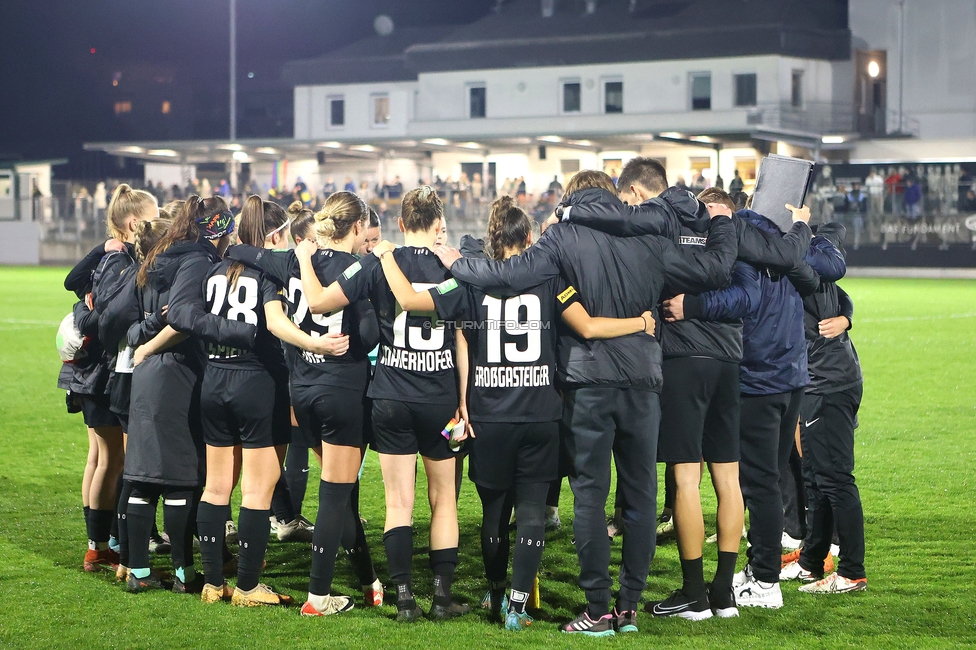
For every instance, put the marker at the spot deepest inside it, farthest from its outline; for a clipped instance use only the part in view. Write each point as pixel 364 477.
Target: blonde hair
pixel 338 215
pixel 302 219
pixel 588 179
pixel 126 202
pixel 148 233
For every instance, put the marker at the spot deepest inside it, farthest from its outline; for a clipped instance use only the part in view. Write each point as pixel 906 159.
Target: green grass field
pixel 916 450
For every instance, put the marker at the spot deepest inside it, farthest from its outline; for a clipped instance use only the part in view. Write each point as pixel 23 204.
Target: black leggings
pixel 529 502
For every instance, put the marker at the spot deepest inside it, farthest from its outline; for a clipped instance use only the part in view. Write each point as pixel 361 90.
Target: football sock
pixel 281 502
pixel 443 562
pixel 140 514
pixel 99 525
pixel 114 530
pixel 329 524
pixel 496 511
pixel 296 472
pixel 253 529
pixel 398 543
pixel 177 509
pixel 354 541
pixel 692 577
pixel 211 521
pixel 121 510
pixel 725 571
pixel 530 514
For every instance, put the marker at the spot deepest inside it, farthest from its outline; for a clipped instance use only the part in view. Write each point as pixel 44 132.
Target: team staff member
pixel 165 454
pixel 510 402
pixel 611 387
pixel 414 393
pixel 828 417
pixel 772 375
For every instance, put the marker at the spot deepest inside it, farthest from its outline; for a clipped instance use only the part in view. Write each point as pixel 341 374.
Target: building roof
pixel 373 59
pixel 518 35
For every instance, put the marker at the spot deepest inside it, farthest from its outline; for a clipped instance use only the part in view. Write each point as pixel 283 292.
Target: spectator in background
pixel 175 192
pixel 464 187
pixel 477 192
pixel 556 187
pixel 680 183
pixel 329 188
pixel 698 183
pixel 720 182
pixel 520 190
pixel 205 190
pixel 223 189
pixel 968 204
pixel 737 185
pixel 913 208
pixel 856 205
pixel 100 201
pixel 350 186
pixel 366 194
pixel 508 187
pixel 192 187
pixel 874 184
pixel 396 190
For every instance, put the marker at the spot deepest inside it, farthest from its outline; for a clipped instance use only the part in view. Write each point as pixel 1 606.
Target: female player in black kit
pixel 322 389
pixel 245 410
pixel 165 454
pixel 509 400
pixel 414 395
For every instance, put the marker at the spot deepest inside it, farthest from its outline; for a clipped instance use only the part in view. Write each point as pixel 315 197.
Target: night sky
pixel 53 88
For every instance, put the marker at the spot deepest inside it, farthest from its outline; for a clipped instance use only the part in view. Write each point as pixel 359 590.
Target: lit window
pixel 745 89
pixel 701 91
pixel 337 112
pixel 477 101
pixel 381 110
pixel 571 97
pixel 796 89
pixel 613 97
pixel 166 107
pixel 123 107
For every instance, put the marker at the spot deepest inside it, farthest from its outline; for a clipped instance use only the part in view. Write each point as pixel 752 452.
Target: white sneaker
pixel 757 593
pixel 713 539
pixel 230 532
pixel 790 543
pixel 326 605
pixel 835 550
pixel 294 531
pixel 835 584
pixel 793 571
pixel 742 577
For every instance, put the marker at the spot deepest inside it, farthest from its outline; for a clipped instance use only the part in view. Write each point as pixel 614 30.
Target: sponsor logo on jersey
pixel 511 376
pixel 692 241
pixel 447 286
pixel 567 294
pixel 352 270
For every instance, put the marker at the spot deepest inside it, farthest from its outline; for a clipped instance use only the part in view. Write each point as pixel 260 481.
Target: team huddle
pixel 645 325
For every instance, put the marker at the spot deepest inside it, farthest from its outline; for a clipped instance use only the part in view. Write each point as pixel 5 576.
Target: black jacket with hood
pixel 617 277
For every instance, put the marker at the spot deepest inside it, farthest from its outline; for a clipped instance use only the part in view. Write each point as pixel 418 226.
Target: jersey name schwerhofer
pixel 430 361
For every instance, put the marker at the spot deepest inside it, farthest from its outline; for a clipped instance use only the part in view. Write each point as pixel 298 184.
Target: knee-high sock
pixel 177 510
pixel 281 502
pixel 140 515
pixel 296 473
pixel 122 509
pixel 530 515
pixel 253 528
pixel 399 555
pixel 114 531
pixel 496 511
pixel 329 525
pixel 354 541
pixel 211 524
pixel 443 562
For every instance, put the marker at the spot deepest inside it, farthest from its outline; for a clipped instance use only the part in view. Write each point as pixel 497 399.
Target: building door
pixel 7 204
pixel 871 92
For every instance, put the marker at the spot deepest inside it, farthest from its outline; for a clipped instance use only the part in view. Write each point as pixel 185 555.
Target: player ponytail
pixel 338 215
pixel 259 221
pixel 184 228
pixel 148 233
pixel 509 228
pixel 302 220
pixel 125 204
pixel 421 209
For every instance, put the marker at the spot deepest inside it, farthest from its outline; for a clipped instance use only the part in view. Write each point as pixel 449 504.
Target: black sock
pixel 140 515
pixel 692 577
pixel 296 472
pixel 122 509
pixel 726 569
pixel 177 510
pixel 399 555
pixel 211 522
pixel 329 525
pixel 496 511
pixel 253 528
pixel 443 561
pixel 529 543
pixel 281 502
pixel 100 525
pixel 354 541
pixel 89 529
pixel 114 530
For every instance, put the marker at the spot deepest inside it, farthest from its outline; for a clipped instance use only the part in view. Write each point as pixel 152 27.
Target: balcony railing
pixel 823 118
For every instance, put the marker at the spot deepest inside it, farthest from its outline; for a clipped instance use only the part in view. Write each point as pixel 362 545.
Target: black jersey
pixel 243 302
pixel 512 346
pixel 350 370
pixel 416 361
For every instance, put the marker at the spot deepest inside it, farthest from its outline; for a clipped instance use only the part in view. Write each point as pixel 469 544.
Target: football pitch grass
pixel 915 450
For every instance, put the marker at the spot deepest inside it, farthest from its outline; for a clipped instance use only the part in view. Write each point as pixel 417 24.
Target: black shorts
pixel 96 411
pixel 244 407
pixel 699 411
pixel 329 414
pixel 507 453
pixel 406 428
